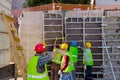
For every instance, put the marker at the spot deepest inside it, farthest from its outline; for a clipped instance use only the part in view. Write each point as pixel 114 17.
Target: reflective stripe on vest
pixel 74 56
pixel 36 77
pixel 74 52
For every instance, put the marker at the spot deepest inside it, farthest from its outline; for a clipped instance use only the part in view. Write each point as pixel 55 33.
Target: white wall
pixel 5 5
pixel 107 2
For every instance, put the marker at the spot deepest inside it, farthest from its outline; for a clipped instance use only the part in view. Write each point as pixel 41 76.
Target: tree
pixel 85 1
pixel 76 1
pixel 30 3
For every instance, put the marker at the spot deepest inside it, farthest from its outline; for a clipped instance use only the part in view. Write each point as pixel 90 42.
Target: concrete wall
pixel 107 2
pixel 4 38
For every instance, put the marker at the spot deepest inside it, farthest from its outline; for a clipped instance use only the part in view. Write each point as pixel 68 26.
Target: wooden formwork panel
pixel 112 37
pixel 93 37
pixel 53 35
pixel 74 37
pixel 100 75
pixel 53 22
pixel 112 43
pixel 52 28
pixel 97 56
pixel 93 25
pixel 52 41
pixel 52 15
pixel 93 19
pixel 74 31
pixel 96 50
pixel 98 63
pixel 97 44
pixel 74 25
pixel 49 48
pixel 74 20
pixel 93 31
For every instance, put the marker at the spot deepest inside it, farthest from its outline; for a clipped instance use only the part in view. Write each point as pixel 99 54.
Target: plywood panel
pixel 4 57
pixel 4 41
pixel 30 31
pixel 4 44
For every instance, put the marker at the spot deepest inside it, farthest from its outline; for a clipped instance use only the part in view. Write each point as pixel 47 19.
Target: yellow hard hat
pixel 64 46
pixel 88 44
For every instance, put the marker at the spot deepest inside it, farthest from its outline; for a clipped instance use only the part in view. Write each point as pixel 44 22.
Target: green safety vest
pixel 32 70
pixel 74 52
pixel 57 58
pixel 70 66
pixel 90 58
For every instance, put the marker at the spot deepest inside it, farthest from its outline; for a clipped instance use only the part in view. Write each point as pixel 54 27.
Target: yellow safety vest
pixel 32 70
pixel 90 58
pixel 70 66
pixel 57 58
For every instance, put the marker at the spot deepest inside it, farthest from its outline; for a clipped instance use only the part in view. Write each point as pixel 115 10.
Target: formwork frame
pixel 78 25
pixel 53 29
pixel 83 26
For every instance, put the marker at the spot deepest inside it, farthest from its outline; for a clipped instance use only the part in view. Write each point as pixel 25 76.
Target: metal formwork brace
pixel 84 35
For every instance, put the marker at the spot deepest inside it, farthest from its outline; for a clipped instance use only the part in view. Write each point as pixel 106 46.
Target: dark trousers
pixel 54 69
pixel 74 72
pixel 88 73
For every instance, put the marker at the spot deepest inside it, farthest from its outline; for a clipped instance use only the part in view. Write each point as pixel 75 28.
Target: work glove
pixel 85 67
pixel 59 72
pixel 79 46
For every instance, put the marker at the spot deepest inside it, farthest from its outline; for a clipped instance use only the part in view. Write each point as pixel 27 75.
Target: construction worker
pixel 56 61
pixel 57 58
pixel 37 68
pixel 73 50
pixel 67 65
pixel 87 61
